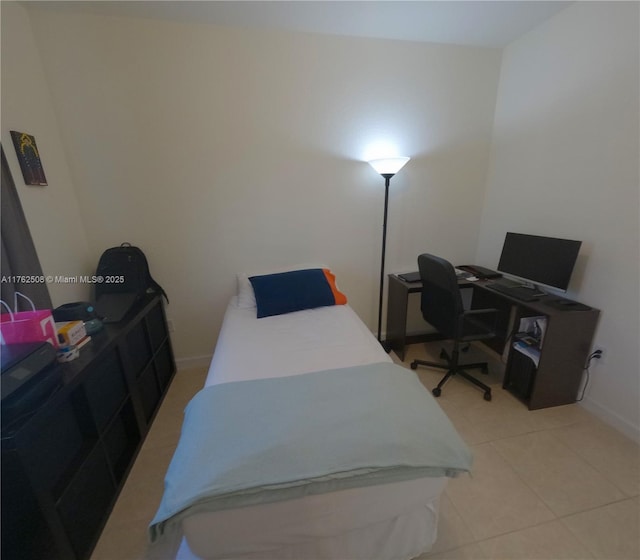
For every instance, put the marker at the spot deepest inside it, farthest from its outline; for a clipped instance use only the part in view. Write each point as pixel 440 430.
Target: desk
pixel 566 346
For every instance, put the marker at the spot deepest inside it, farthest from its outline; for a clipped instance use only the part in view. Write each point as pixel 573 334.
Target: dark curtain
pixel 19 257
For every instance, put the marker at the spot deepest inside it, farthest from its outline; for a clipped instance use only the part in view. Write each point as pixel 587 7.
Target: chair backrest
pixel 441 302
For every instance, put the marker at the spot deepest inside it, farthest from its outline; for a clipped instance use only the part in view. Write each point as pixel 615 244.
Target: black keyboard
pixel 517 292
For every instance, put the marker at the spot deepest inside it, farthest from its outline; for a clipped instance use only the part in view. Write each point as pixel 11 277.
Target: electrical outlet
pixel 170 325
pixel 602 351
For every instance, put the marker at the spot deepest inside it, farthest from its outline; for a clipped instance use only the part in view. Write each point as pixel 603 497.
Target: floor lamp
pixel 387 167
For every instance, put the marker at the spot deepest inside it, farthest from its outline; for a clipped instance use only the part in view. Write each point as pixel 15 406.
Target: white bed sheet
pixel 390 521
pixel 313 527
pixel 290 344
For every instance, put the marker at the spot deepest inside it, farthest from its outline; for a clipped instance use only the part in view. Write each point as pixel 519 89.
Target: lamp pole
pixel 387 180
pixel 387 167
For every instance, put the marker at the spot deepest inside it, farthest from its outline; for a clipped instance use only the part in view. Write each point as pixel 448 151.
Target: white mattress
pixel 291 344
pixel 397 520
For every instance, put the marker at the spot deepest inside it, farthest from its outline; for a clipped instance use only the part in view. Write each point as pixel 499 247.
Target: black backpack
pixel 125 270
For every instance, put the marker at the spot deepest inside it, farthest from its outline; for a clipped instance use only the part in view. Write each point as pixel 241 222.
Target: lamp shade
pixel 388 166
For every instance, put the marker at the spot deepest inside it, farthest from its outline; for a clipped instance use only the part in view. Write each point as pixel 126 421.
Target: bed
pixel 308 349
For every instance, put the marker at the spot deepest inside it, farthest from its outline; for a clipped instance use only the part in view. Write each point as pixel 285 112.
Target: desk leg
pixel 397 299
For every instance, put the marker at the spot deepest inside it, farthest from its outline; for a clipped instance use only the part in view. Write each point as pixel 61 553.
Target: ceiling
pixel 474 23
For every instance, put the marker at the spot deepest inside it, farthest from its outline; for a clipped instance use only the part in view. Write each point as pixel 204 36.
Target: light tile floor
pixel 549 484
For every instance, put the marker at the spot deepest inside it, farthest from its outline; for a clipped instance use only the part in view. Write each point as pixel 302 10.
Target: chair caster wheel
pixel 487 396
pixel 413 365
pixel 436 392
pixel 485 370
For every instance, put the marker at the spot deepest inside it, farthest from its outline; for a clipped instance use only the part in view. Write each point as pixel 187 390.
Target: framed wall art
pixel 29 158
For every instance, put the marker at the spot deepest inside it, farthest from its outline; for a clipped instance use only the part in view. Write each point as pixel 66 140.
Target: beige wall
pixel 565 163
pixel 222 150
pixel 53 213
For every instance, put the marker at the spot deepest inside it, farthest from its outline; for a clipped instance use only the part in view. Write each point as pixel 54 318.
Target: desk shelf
pixel 566 346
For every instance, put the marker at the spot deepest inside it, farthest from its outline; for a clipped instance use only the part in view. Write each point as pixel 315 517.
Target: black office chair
pixel 442 307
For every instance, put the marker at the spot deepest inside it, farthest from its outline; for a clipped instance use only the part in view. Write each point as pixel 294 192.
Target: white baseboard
pixel 611 418
pixel 193 362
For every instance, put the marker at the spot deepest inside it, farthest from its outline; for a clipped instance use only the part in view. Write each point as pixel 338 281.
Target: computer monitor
pixel 540 260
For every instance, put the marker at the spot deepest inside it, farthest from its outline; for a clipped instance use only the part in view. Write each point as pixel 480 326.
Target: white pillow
pixel 246 297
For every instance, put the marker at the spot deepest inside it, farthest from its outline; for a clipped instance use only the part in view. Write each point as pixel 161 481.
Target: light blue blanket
pixel 267 440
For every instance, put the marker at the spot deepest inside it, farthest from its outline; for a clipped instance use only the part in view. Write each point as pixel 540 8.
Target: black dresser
pixel 64 465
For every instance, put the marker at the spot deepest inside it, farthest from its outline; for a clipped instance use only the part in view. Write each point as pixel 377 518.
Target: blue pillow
pixel 286 292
